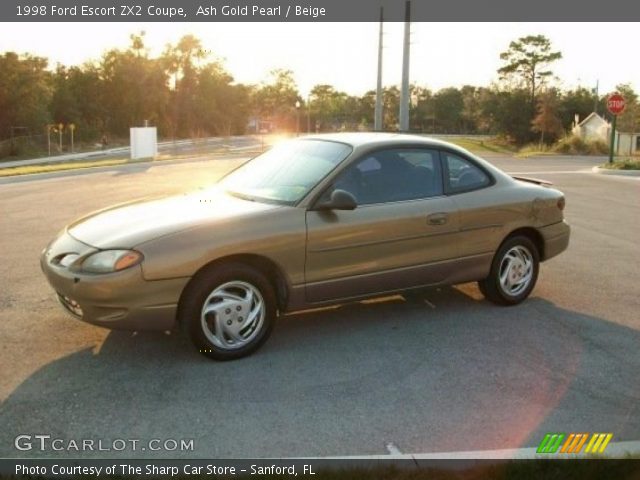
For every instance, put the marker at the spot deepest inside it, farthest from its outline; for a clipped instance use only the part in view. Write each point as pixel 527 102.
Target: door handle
pixel 438 218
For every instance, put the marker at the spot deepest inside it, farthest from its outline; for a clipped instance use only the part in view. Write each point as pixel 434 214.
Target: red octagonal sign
pixel 615 103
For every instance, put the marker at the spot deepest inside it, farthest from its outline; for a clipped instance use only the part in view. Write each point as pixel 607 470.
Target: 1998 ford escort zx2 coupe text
pixel 313 221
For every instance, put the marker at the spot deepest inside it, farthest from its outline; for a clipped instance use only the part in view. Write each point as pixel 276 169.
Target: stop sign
pixel 615 103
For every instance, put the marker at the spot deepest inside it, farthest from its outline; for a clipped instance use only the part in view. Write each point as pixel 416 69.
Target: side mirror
pixel 340 200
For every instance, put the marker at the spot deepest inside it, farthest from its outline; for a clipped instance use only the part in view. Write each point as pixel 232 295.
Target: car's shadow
pixel 448 371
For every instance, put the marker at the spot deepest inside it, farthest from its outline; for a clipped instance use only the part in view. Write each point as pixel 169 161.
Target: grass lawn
pixel 623 164
pixel 55 167
pixel 480 145
pixel 81 164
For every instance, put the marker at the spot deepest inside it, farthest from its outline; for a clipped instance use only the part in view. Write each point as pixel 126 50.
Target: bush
pixel 623 165
pixel 577 146
pixel 598 147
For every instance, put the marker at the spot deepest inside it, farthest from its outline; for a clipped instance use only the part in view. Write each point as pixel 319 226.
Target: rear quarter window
pixel 462 175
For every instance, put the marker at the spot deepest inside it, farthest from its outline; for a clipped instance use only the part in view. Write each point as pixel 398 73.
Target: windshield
pixel 287 172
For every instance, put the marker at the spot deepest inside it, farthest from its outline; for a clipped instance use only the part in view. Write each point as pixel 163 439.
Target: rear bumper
pixel 122 300
pixel 556 239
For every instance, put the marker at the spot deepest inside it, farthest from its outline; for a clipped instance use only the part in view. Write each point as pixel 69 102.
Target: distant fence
pixel 25 144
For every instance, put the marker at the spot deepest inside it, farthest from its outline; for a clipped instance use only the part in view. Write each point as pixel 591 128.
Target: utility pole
pixel 595 100
pixel 377 123
pixel 404 92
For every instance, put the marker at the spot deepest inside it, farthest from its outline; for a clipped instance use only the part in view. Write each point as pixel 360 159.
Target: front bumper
pixel 556 239
pixel 121 300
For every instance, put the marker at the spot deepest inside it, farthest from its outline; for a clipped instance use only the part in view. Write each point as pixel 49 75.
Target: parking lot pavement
pixel 447 372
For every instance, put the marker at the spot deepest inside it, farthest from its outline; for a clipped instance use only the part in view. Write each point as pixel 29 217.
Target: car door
pixel 481 213
pixel 400 235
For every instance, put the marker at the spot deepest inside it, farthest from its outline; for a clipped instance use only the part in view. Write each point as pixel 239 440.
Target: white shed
pixel 592 128
pixel 627 143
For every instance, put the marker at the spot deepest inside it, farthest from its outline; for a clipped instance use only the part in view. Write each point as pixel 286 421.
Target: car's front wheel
pixel 514 272
pixel 229 311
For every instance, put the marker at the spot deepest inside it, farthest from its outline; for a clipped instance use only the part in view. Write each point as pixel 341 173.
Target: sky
pixel 345 54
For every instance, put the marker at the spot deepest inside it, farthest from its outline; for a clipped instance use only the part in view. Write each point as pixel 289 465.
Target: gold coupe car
pixel 313 221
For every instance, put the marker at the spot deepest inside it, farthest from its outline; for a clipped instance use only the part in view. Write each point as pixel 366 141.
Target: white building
pixel 627 143
pixel 594 127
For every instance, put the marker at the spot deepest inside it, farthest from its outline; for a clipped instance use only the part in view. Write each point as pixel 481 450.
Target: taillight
pixel 561 203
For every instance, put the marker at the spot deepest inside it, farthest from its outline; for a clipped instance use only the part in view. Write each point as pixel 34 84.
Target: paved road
pixel 449 373
pixel 174 148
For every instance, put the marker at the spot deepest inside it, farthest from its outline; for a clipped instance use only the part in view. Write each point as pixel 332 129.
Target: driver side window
pixel 392 176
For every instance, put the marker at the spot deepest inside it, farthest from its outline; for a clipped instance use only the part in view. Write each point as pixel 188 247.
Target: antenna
pixel 377 122
pixel 404 92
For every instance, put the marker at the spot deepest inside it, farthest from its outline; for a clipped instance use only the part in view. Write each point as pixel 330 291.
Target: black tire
pixel 492 288
pixel 483 288
pixel 204 284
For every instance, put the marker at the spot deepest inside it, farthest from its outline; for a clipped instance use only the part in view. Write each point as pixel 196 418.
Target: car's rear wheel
pixel 229 311
pixel 514 272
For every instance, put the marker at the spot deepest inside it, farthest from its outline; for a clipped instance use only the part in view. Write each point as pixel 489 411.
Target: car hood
pixel 130 224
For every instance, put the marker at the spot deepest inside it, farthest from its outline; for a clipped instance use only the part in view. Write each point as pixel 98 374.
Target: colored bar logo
pixel 574 442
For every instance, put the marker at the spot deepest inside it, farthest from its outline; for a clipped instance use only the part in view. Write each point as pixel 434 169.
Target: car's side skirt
pixel 448 272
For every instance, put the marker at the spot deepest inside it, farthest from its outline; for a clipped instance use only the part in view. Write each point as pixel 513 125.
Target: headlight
pixel 108 261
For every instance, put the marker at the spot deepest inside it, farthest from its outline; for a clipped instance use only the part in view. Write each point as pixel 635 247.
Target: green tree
pixel 528 61
pixel 277 98
pixel 422 107
pixel 366 107
pixel 134 89
pixel 448 105
pixel 329 107
pixel 181 62
pixel 64 102
pixel 470 115
pixel 579 101
pixel 390 108
pixel 222 108
pixel 25 93
pixel 547 121
pixel 502 113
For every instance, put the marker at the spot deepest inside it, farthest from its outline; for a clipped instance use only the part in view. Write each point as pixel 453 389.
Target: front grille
pixel 70 305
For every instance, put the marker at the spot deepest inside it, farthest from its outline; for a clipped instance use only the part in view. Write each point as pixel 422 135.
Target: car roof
pixel 357 139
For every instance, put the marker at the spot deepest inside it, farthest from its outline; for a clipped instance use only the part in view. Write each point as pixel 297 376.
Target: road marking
pixel 628 449
pixel 430 304
pixel 392 449
pixel 573 172
pixel 614 450
pixel 549 172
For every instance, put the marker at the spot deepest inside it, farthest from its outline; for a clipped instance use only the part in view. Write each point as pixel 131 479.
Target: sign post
pixel 49 138
pixel 615 105
pixel 60 127
pixel 72 127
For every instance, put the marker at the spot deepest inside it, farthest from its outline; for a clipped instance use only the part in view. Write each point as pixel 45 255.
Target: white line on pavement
pixel 549 172
pixel 629 449
pixel 392 449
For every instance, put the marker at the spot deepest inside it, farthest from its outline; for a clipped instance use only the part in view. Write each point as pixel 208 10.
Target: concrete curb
pixel 624 173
